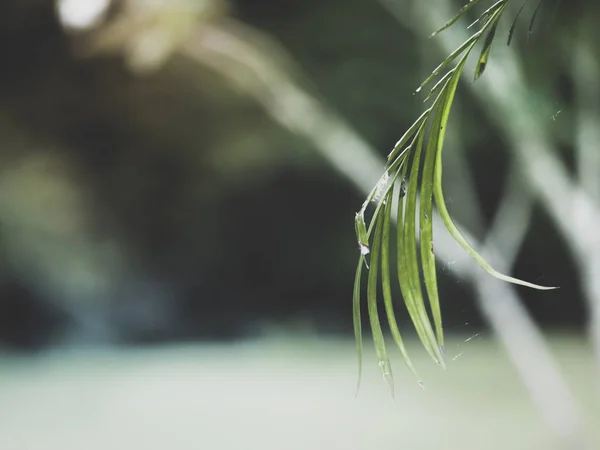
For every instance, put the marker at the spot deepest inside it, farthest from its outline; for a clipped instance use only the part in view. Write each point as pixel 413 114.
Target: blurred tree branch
pixel 147 33
pixel 586 73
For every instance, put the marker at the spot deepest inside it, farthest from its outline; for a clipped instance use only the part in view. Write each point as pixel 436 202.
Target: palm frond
pixel 413 182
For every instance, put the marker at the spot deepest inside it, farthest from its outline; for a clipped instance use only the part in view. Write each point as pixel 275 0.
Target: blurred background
pixel 178 183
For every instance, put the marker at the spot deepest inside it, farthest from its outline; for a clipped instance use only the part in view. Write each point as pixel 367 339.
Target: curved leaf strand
pixel 443 211
pixel 404 279
pixel 511 32
pixel 356 319
pixel 426 225
pixel 378 338
pixel 386 285
pixel 412 262
pixel 533 17
pixel 487 45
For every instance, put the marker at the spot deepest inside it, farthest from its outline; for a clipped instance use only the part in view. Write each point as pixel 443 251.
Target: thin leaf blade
pixel 443 210
pixel 456 17
pixel 513 26
pixel 356 319
pixel 378 338
pixel 487 44
pixel 386 286
pixel 416 307
pixel 426 224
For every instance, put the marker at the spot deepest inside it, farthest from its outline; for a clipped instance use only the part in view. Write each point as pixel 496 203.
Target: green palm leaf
pixel 387 285
pixel 487 45
pixel 423 323
pixel 413 181
pixel 378 339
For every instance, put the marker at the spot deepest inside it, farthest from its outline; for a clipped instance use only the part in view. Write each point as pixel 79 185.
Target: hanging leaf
pixel 356 318
pixel 487 44
pixel 533 16
pixel 411 262
pixel 386 284
pixel 378 339
pixel 413 182
pixel 514 22
pixel 426 225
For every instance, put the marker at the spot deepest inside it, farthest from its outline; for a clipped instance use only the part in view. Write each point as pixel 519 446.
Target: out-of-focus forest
pixel 187 172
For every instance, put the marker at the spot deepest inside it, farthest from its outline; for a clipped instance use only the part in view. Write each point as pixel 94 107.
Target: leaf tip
pixel 357 390
pixel 548 288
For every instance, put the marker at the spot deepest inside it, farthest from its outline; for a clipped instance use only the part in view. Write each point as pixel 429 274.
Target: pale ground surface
pixel 291 393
